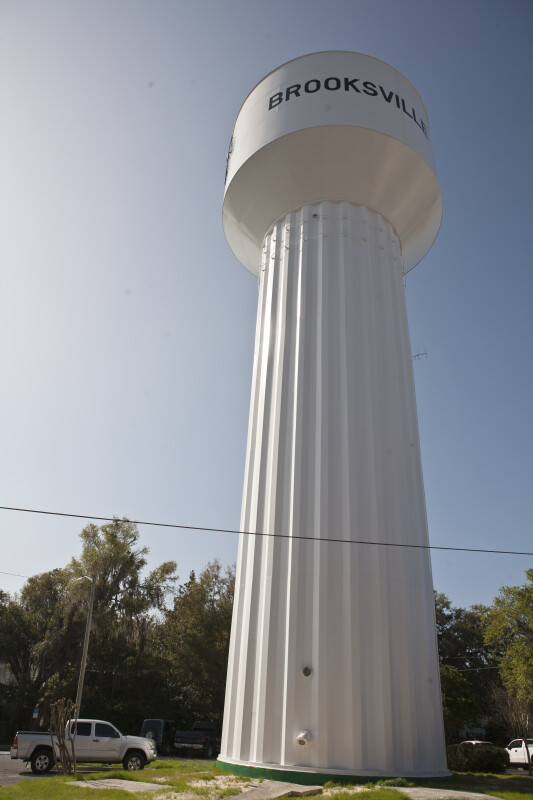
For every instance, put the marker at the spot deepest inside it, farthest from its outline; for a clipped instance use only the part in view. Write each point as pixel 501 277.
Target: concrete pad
pixel 268 790
pixel 420 793
pixel 117 783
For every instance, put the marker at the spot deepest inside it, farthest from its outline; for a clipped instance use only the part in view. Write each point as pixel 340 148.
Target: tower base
pixel 308 777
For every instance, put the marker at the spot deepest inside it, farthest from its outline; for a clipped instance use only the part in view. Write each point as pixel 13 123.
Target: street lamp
pixel 85 644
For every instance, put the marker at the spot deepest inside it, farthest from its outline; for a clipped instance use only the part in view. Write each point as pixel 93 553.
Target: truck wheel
pixel 41 761
pixel 134 760
pixel 209 752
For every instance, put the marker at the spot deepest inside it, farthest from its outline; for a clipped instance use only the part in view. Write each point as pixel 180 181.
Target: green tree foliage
pixel 41 631
pixel 145 660
pixel 468 666
pixel 458 705
pixel 121 661
pixel 509 627
pixel 27 625
pixel 194 640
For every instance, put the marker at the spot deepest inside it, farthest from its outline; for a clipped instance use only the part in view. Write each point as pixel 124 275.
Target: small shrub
pixel 473 758
pixel 396 782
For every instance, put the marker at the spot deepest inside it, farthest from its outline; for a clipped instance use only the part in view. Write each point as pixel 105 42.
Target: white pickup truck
pixel 519 756
pixel 95 740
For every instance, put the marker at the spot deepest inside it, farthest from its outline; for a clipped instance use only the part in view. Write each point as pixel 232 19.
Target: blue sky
pixel 127 326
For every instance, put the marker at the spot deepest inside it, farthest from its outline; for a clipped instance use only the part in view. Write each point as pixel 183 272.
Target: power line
pixel 14 574
pixel 475 669
pixel 199 528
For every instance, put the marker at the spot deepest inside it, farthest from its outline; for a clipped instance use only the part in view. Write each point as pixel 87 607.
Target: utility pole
pixel 85 645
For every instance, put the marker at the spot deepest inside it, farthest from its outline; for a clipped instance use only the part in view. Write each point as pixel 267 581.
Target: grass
pixel 178 775
pixel 508 787
pixel 372 794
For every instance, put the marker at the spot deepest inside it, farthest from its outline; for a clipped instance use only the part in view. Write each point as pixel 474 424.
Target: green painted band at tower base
pixel 287 776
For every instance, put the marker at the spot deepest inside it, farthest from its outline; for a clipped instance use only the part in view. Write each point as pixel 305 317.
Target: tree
pixel 468 666
pixel 27 625
pixel 458 705
pixel 510 712
pixel 509 625
pixel 41 632
pixel 120 660
pixel 195 642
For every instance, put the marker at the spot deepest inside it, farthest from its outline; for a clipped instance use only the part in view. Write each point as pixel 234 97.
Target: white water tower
pixel 331 197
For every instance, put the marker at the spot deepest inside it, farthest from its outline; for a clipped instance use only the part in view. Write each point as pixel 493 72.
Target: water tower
pixel 331 197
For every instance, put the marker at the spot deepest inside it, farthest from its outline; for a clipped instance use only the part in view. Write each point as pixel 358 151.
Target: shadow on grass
pixel 509 787
pixel 485 783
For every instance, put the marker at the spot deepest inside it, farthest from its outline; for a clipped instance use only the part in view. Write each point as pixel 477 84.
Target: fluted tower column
pixel 333 665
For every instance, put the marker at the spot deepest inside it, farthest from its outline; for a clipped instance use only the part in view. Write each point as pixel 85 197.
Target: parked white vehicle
pixel 519 755
pixel 95 740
